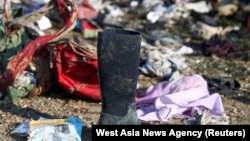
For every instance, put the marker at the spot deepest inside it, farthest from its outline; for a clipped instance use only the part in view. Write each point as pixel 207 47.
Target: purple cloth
pixel 178 99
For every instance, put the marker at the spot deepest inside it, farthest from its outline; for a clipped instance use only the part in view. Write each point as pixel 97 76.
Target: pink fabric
pixel 86 11
pixel 178 99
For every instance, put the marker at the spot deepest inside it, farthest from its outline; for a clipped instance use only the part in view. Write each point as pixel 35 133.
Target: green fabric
pixel 14 93
pixel 90 34
pixel 10 45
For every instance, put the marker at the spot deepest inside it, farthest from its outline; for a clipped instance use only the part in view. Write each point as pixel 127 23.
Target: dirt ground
pixel 57 104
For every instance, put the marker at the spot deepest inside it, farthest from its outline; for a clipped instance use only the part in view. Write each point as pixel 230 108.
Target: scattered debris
pixel 51 129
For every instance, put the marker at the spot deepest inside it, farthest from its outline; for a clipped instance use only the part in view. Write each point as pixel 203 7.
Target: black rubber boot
pixel 118 60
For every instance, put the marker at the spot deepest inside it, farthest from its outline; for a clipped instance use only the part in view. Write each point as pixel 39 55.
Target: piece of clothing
pixel 85 10
pixel 221 84
pixel 19 61
pixel 217 46
pixel 10 45
pixel 162 62
pixel 29 6
pixel 178 99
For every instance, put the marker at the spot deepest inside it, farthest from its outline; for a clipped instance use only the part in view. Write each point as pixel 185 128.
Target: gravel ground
pixel 56 104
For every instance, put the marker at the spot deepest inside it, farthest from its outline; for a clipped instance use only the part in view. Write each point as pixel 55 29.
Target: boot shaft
pixel 118 60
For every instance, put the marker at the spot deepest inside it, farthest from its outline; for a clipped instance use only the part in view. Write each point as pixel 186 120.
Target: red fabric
pixel 86 25
pixel 76 71
pixel 20 61
pixel 86 11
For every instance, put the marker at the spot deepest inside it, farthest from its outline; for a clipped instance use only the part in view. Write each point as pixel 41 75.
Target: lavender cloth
pixel 178 99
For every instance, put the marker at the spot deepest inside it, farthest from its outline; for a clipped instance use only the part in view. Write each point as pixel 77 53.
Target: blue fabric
pixel 77 123
pixel 78 26
pixel 27 10
pixel 34 6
